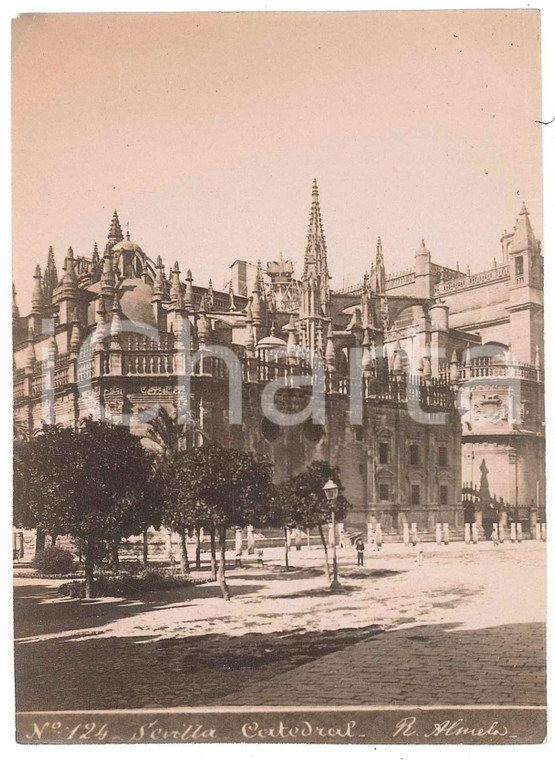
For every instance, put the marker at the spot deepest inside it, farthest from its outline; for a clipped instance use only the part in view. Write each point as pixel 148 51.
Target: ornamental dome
pixel 128 245
pixel 135 297
pixel 271 341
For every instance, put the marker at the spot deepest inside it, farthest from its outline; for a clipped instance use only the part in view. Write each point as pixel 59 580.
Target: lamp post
pixel 332 491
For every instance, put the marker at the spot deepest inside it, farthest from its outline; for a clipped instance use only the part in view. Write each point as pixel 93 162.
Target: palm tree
pixel 166 434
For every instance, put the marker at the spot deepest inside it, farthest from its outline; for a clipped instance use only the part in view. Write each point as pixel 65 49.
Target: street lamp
pixel 332 491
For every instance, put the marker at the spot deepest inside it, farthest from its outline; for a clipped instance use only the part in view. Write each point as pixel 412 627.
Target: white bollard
pixel 250 539
pixel 538 532
pixel 474 533
pixel 543 531
pixel 467 533
pixel 519 532
pixel 513 532
pixel 445 533
pixel 438 533
pixel 379 535
pixel 406 534
pixel 238 541
pixel 501 533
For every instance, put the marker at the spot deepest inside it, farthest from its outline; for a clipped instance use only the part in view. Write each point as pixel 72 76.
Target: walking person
pixel 360 551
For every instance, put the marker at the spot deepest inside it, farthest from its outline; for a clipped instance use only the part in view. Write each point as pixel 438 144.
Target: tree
pixel 218 488
pixel 304 503
pixel 167 435
pixel 90 483
pixel 38 504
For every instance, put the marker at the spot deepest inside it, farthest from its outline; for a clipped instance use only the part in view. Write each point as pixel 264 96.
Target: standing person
pixel 360 551
pixel 419 551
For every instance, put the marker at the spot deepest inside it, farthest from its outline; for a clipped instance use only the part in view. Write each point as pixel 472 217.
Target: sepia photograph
pixel 279 470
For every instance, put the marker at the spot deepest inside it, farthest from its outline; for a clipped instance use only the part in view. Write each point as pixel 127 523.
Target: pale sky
pixel 205 131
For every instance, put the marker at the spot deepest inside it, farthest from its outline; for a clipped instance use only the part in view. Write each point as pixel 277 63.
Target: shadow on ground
pixel 419 665
pixel 40 611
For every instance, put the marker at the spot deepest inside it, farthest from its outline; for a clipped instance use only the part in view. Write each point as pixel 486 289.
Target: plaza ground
pixel 467 626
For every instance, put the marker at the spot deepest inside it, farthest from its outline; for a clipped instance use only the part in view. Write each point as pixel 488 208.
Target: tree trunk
pixel 114 555
pixel 197 548
pixel 145 546
pixel 286 549
pixel 221 567
pixel 40 541
pixel 89 568
pixel 213 552
pixel 184 556
pixel 327 567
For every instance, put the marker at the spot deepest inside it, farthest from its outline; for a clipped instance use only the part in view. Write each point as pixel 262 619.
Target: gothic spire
pixel 524 237
pixel 100 314
pixel 15 308
pixel 315 260
pixel 50 279
pixel 115 330
pixel 115 234
pixel 69 280
pixel 189 298
pixel 379 276
pixel 249 333
pixel 108 278
pixel 256 303
pixel 159 290
pixel 36 298
pixel 175 286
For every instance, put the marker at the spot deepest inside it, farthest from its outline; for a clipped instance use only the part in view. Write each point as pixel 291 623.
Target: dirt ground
pixel 189 647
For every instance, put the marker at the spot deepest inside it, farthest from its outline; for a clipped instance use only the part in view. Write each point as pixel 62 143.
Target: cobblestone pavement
pixel 425 665
pixel 466 627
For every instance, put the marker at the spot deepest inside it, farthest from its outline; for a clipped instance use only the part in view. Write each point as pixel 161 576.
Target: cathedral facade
pixel 419 376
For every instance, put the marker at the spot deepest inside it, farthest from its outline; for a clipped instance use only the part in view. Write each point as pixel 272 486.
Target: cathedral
pixel 447 366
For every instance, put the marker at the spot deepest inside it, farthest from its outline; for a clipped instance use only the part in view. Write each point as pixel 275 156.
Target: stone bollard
pixel 446 533
pixel 513 532
pixel 519 532
pixel 467 533
pixel 406 534
pixel 438 533
pixel 538 532
pixel 414 533
pixel 474 533
pixel 495 533
pixel 543 531
pixel 379 535
pixel 501 533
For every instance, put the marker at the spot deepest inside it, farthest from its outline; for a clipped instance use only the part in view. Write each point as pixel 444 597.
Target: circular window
pixel 313 433
pixel 270 431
